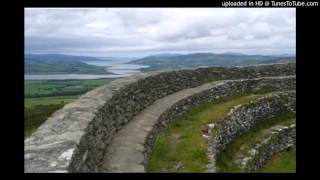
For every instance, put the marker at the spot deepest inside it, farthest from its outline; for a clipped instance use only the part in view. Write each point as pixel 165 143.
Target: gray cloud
pixel 143 31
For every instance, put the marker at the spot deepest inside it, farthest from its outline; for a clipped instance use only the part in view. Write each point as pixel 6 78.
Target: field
pixel 42 98
pixel 49 88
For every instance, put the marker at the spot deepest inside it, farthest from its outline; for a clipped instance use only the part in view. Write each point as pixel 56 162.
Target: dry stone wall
pixel 222 90
pixel 281 139
pixel 244 117
pixel 75 138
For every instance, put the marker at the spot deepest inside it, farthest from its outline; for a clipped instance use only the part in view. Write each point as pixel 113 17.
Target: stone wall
pixel 244 117
pixel 222 90
pixel 280 140
pixel 75 138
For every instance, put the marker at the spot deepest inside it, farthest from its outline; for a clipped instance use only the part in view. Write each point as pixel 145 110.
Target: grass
pixel 284 162
pixel 225 161
pixel 49 88
pixel 42 98
pixel 29 102
pixel 181 147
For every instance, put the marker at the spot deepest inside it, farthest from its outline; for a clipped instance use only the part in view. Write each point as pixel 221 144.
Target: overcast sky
pixel 144 31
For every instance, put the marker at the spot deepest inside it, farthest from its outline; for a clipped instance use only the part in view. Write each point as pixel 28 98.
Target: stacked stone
pixel 282 139
pixel 75 138
pixel 221 89
pixel 245 117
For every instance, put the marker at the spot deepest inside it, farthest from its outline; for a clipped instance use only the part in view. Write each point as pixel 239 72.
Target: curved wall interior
pixel 75 138
pixel 221 90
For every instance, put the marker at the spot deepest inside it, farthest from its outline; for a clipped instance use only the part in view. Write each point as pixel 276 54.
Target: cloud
pixel 143 31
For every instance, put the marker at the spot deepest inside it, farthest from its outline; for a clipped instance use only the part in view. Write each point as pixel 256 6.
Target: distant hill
pixel 165 55
pixel 61 67
pixel 284 55
pixel 207 59
pixel 118 58
pixel 59 57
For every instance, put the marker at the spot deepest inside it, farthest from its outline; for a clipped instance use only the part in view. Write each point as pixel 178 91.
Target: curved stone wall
pixel 244 117
pixel 223 89
pixel 75 138
pixel 280 140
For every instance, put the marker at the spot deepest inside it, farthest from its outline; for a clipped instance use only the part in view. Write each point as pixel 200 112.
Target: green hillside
pixel 61 67
pixel 206 59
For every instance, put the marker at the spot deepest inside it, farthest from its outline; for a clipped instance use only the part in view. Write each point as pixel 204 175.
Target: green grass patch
pixel 28 102
pixel 38 110
pixel 181 147
pixel 49 88
pixel 243 143
pixel 284 162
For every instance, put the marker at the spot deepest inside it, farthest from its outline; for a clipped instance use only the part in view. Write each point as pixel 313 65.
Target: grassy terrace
pixel 243 143
pixel 42 98
pixel 181 147
pixel 284 162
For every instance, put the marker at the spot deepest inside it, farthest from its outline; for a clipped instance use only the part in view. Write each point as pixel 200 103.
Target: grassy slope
pixel 36 115
pixel 284 162
pixel 181 148
pixel 225 160
pixel 29 102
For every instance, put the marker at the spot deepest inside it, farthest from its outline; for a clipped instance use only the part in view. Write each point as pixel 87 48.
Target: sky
pixel 137 32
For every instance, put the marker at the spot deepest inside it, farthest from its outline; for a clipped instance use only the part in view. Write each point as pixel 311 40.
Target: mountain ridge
pixel 208 59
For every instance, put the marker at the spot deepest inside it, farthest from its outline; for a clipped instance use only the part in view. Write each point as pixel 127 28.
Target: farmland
pixel 49 88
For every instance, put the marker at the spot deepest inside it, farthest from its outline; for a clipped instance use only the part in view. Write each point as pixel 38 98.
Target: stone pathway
pixel 125 153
